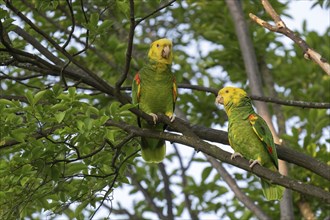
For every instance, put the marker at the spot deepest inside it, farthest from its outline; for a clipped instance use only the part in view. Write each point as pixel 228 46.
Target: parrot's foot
pixel 172 117
pixel 154 117
pixel 254 162
pixel 235 154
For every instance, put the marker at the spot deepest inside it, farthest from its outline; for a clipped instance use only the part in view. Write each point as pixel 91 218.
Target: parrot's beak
pixel 219 100
pixel 166 52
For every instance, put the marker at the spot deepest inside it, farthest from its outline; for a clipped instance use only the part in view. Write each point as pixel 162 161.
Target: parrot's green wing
pixel 175 92
pixel 261 129
pixel 271 191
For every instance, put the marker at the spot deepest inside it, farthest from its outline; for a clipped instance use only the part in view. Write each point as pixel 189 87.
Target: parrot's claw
pixel 254 162
pixel 154 117
pixel 235 154
pixel 172 117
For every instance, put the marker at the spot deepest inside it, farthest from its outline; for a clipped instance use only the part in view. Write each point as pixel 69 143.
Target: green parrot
pixel 250 136
pixel 154 89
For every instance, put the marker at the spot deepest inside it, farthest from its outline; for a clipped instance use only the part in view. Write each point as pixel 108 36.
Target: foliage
pixel 60 157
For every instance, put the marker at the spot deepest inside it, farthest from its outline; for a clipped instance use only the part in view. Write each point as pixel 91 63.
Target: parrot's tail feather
pixel 153 150
pixel 271 191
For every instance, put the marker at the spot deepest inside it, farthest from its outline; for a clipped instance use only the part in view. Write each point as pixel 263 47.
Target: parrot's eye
pixel 227 91
pixel 157 45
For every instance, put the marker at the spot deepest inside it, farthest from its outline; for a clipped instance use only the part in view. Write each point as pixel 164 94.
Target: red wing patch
pixel 270 149
pixel 137 78
pixel 252 117
pixel 137 82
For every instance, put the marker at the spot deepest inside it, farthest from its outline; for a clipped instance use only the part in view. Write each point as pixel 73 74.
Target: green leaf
pixel 30 97
pixel 103 119
pixel 93 21
pixel 88 123
pixel 180 209
pixel 127 107
pixel 72 91
pixel 80 209
pixel 105 26
pixel 110 135
pixel 81 126
pixel 206 172
pixel 76 168
pixel 24 180
pixel 19 134
pixel 114 107
pixel 92 110
pixel 123 6
pixel 60 116
pixel 3 13
pixel 6 102
pixel 39 95
pixel 59 106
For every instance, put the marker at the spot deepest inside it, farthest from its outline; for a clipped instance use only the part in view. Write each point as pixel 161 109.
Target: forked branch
pixel 280 27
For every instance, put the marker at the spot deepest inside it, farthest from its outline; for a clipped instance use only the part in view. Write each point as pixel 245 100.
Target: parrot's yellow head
pixel 230 96
pixel 161 51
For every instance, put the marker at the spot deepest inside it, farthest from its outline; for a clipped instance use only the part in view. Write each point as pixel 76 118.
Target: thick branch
pixel 224 156
pixel 220 136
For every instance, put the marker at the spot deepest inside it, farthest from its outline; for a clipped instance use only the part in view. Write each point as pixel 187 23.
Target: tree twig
pixel 113 182
pixel 154 12
pixel 73 21
pixel 280 27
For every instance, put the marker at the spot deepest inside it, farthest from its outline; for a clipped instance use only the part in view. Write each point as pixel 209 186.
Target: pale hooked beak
pixel 219 100
pixel 166 52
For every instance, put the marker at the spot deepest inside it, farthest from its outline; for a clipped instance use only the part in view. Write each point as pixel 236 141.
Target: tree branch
pixel 235 188
pixel 147 196
pixel 109 89
pixel 113 181
pixel 123 77
pixel 167 191
pixel 73 21
pixel 193 214
pixel 224 156
pixel 280 27
pixel 302 104
pixel 284 153
pixel 154 12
